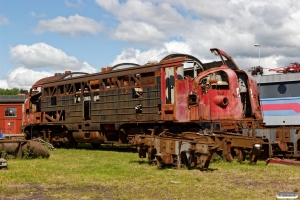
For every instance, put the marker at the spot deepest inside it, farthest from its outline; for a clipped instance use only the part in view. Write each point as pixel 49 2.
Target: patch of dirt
pixel 37 192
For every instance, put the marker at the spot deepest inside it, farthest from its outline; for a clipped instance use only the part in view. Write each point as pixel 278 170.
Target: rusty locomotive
pixel 178 111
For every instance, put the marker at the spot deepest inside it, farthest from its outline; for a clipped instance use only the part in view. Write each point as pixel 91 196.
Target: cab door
pixel 168 93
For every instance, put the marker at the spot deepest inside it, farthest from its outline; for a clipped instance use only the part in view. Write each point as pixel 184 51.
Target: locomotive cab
pixel 32 107
pixel 225 94
pixel 208 93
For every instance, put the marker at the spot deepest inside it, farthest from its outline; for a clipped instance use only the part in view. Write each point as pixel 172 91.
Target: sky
pixel 40 37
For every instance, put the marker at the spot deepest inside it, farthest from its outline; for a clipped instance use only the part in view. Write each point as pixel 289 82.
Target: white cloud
pixel 233 26
pixel 3 20
pixel 108 4
pixel 3 84
pixel 33 14
pixel 71 3
pixel 132 31
pixel 73 26
pixel 162 15
pixel 136 56
pixel 177 47
pixel 41 55
pixel 246 63
pixel 136 18
pixel 38 61
pixel 24 78
pixel 85 67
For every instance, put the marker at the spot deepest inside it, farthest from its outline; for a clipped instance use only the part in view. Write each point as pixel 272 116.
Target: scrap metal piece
pixel 19 148
pixel 169 150
pixel 3 163
pixel 278 161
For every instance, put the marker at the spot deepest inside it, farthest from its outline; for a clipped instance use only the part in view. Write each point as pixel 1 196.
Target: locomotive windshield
pixel 216 80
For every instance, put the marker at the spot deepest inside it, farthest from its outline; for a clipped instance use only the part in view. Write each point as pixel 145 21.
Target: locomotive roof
pixel 124 65
pixel 150 66
pixel 133 68
pixel 205 66
pixel 56 77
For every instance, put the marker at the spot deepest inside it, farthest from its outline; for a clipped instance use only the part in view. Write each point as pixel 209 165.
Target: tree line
pixel 13 91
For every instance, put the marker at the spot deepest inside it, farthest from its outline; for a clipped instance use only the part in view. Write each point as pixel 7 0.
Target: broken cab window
pixel 137 92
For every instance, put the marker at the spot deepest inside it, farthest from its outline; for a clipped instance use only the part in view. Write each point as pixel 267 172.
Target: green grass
pixel 108 174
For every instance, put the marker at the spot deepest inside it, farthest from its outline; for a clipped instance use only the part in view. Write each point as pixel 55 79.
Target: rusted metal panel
pixel 167 146
pixel 228 62
pixel 253 90
pixel 173 62
pixel 278 161
pixel 183 88
pixel 283 134
pixel 168 111
pixel 88 137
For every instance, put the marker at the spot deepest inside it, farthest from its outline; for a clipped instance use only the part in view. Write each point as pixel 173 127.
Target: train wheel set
pixel 193 150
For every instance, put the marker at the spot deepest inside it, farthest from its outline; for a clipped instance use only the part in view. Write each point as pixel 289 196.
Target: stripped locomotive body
pixel 177 111
pixel 279 99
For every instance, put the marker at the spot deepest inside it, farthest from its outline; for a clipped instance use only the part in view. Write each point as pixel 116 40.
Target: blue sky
pixel 40 37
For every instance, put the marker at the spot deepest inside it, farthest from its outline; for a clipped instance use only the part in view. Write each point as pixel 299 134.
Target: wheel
pixel 71 144
pixel 226 153
pixel 204 162
pixel 183 158
pixel 159 165
pixel 264 154
pixel 151 153
pixel 241 155
pixel 254 155
pixel 142 151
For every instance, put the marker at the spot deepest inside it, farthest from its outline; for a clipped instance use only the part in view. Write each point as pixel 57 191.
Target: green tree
pixel 13 91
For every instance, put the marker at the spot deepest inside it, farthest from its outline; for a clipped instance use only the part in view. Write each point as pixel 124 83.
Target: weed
pixel 296 190
pixel 28 153
pixel 217 158
pixel 4 154
pixel 199 179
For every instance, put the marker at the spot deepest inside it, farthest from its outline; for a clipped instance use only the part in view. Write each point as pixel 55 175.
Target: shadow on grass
pixel 143 162
pixel 123 148
pixel 208 170
pixel 164 167
pixel 188 168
